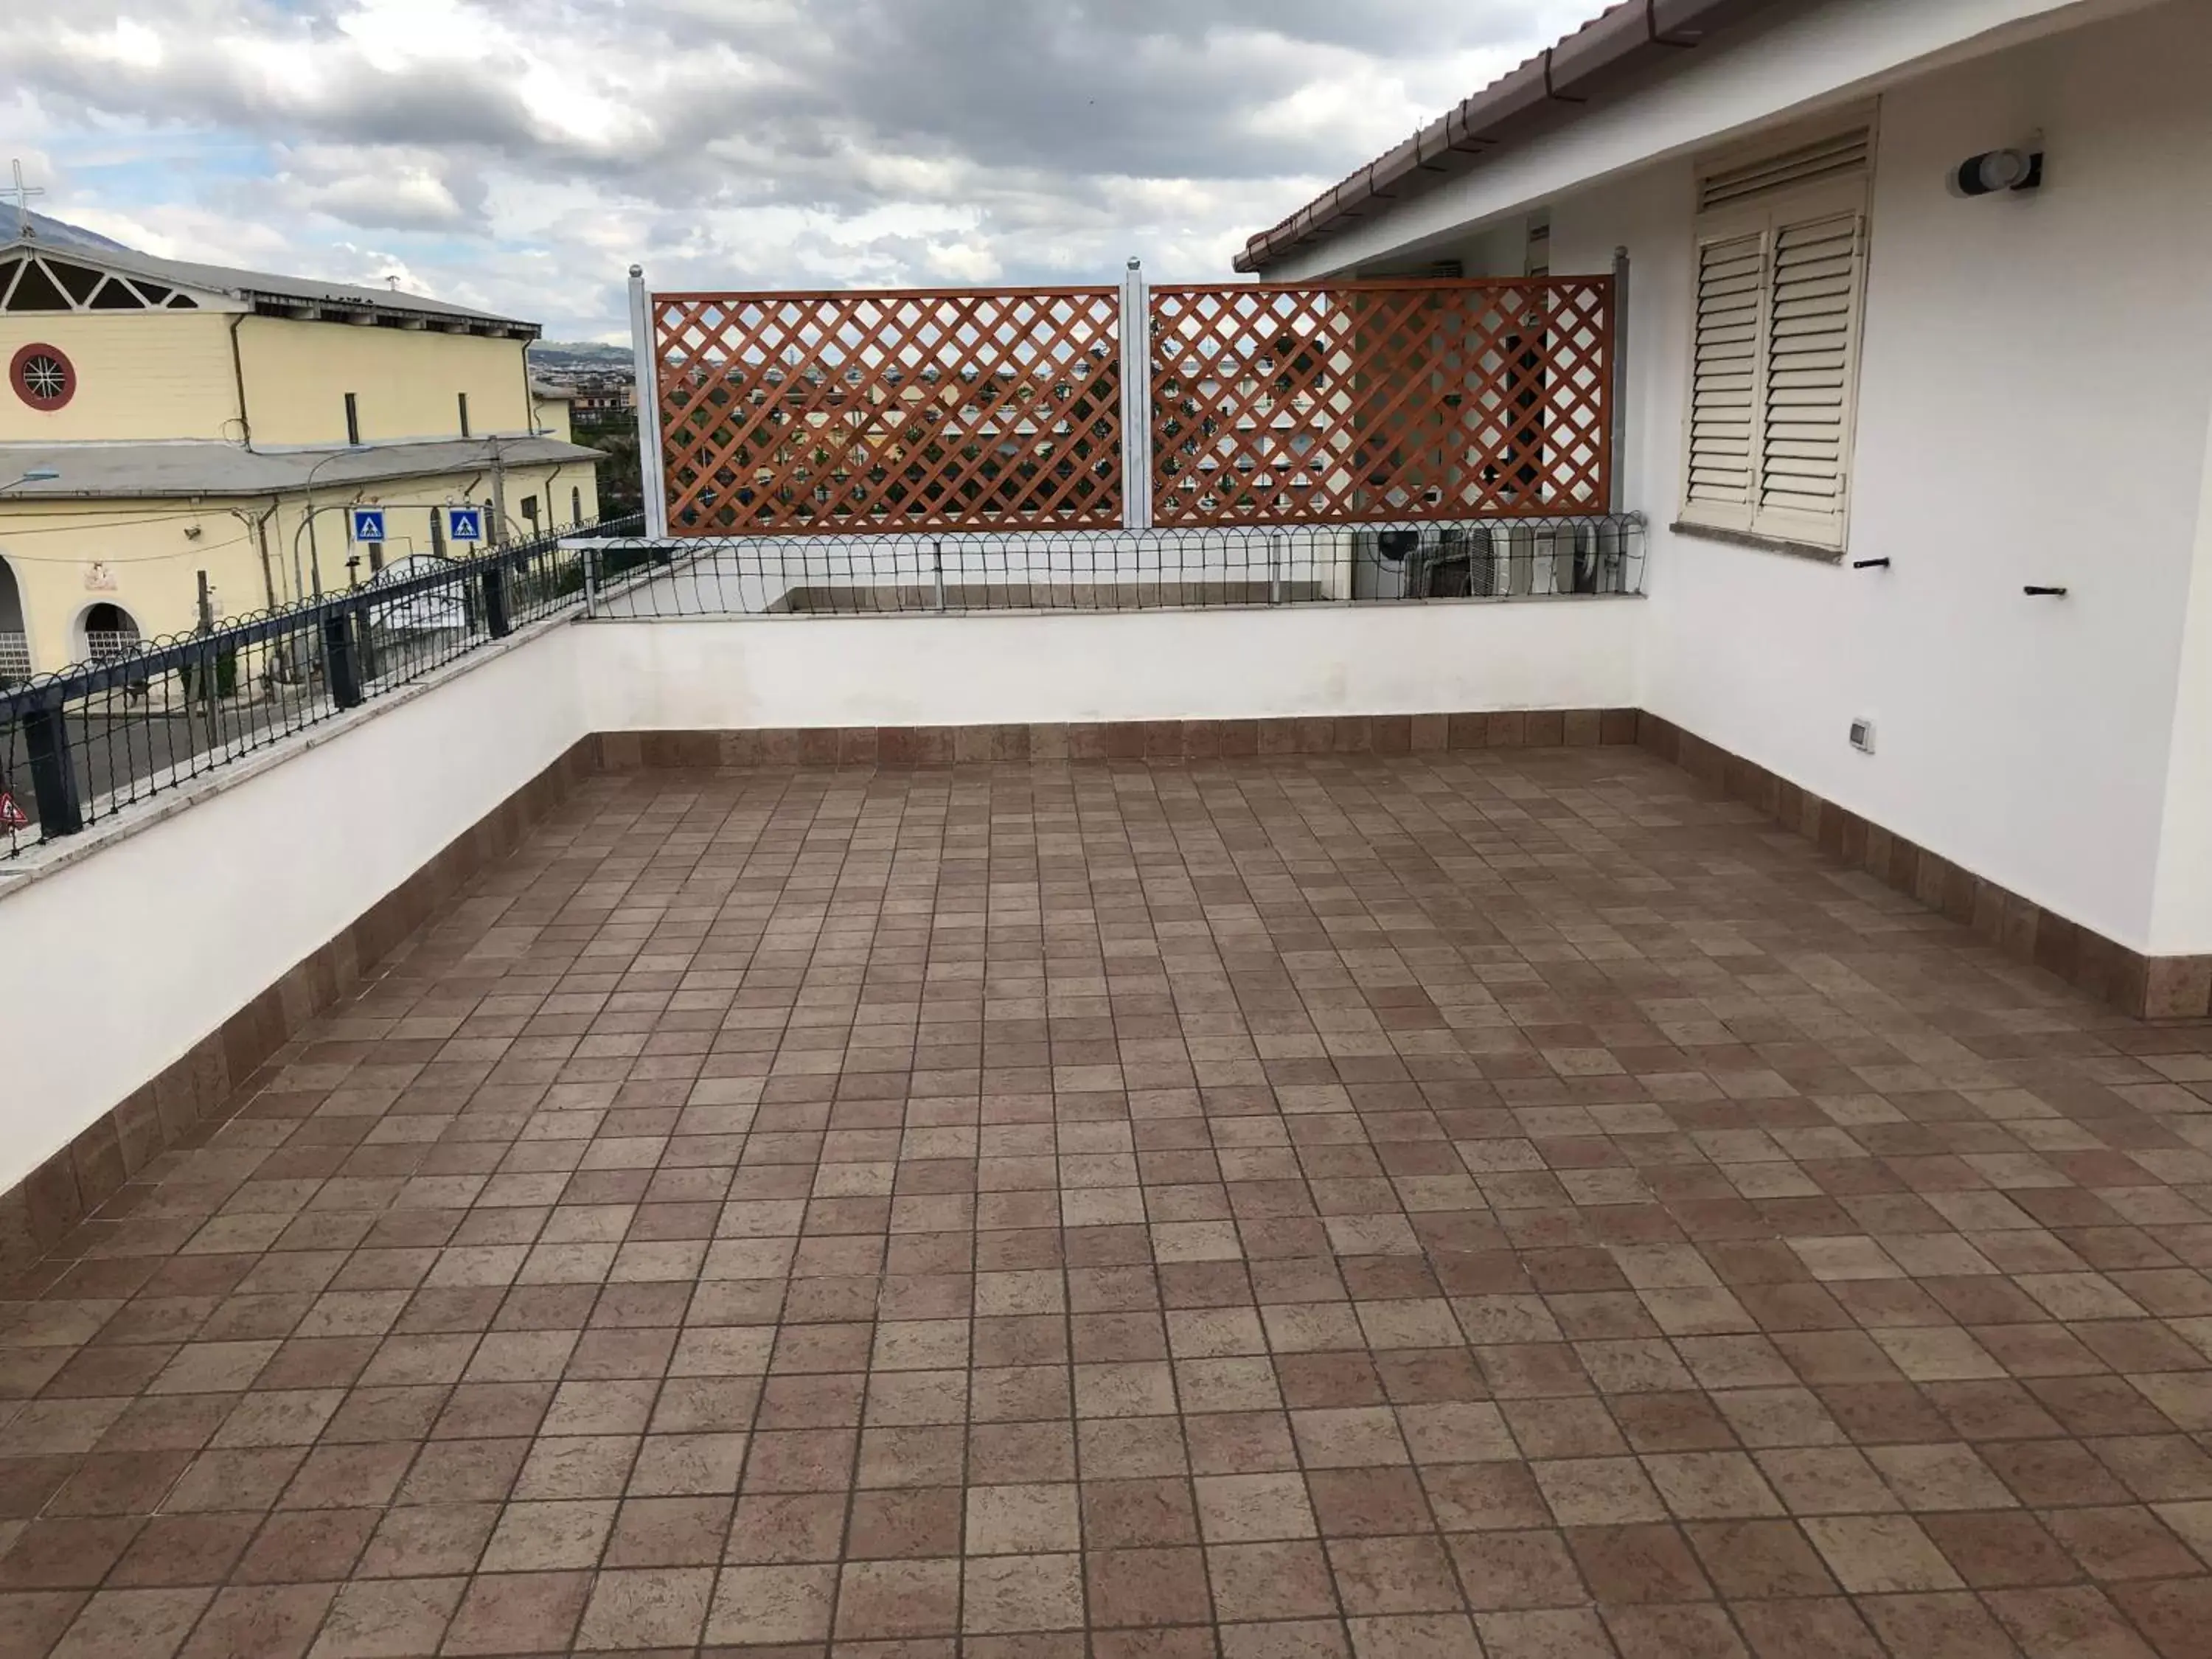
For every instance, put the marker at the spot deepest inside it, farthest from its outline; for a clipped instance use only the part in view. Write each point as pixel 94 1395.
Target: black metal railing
pixel 882 574
pixel 78 745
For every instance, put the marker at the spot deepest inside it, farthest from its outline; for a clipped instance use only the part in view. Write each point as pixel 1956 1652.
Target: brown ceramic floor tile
pixel 1501 1203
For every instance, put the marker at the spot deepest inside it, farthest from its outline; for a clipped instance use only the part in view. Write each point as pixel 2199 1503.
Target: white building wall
pixel 2035 387
pixel 2182 899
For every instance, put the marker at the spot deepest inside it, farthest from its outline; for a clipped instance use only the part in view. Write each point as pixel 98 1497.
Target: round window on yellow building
pixel 42 375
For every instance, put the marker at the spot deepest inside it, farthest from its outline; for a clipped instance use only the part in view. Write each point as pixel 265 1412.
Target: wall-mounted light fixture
pixel 1996 170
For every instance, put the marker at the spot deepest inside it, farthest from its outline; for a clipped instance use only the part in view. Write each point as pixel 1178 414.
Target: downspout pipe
pixel 238 375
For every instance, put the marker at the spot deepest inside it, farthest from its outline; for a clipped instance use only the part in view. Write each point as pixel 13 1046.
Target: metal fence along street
pixel 79 744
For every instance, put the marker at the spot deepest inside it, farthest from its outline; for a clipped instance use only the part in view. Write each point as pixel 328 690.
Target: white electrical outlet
pixel 1863 736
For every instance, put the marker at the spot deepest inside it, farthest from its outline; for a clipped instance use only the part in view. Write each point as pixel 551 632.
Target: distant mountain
pixel 63 233
pixel 578 354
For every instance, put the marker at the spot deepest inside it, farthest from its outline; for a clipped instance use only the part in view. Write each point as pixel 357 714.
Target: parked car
pixel 432 611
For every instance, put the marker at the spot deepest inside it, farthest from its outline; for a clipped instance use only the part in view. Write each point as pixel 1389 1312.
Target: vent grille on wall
pixel 1840 155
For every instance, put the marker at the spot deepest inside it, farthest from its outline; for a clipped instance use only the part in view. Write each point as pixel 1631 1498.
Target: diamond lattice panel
pixel 886 412
pixel 1363 402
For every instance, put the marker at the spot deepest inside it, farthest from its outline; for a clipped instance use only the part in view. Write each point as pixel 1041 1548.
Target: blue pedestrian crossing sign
pixel 369 524
pixel 464 524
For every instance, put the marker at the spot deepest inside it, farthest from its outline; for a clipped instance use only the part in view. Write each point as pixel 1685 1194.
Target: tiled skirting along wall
pixel 185 1101
pixel 1161 740
pixel 2148 988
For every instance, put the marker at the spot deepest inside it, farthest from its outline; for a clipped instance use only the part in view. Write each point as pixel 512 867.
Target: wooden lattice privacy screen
pixel 810 413
pixel 991 408
pixel 1383 400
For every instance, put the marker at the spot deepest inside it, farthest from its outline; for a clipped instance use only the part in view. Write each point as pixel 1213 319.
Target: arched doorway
pixel 110 632
pixel 15 632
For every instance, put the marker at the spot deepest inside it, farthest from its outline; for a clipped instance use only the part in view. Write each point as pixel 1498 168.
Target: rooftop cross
pixel 23 193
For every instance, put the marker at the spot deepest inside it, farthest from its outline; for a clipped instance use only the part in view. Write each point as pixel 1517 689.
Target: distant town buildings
pixel 162 421
pixel 600 401
pixel 597 381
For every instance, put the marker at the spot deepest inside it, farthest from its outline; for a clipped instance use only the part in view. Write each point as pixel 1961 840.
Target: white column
pixel 654 486
pixel 1136 399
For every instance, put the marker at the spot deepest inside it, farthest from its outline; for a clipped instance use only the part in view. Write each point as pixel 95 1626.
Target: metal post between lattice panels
pixel 1135 333
pixel 651 481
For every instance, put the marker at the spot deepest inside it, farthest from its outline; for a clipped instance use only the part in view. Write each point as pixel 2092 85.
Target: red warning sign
pixel 12 816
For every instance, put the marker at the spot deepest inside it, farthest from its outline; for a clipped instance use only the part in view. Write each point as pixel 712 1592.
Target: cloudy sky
pixel 520 154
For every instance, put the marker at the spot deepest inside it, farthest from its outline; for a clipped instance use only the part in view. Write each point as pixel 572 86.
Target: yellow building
pixel 163 419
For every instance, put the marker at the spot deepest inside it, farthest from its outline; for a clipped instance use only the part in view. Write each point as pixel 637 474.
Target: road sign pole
pixel 465 524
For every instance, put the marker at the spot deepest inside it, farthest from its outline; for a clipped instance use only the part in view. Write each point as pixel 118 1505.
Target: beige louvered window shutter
pixel 1781 276
pixel 1725 374
pixel 1811 345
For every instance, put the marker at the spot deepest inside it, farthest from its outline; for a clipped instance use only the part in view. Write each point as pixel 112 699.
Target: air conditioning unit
pixel 1565 558
pixel 1429 563
pixel 1460 564
pixel 1381 561
pixel 1489 561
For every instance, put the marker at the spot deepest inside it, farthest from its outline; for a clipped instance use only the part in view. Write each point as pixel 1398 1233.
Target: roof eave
pixel 1584 66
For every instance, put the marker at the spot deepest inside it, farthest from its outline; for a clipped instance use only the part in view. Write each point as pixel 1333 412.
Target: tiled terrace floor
pixel 1499 1203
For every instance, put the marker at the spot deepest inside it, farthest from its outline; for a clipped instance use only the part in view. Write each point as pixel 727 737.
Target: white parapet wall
pixel 990 668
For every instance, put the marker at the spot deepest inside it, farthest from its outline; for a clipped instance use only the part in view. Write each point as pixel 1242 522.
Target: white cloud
pixel 521 153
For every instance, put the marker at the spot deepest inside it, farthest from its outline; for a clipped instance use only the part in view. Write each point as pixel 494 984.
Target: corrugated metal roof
pixel 204 467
